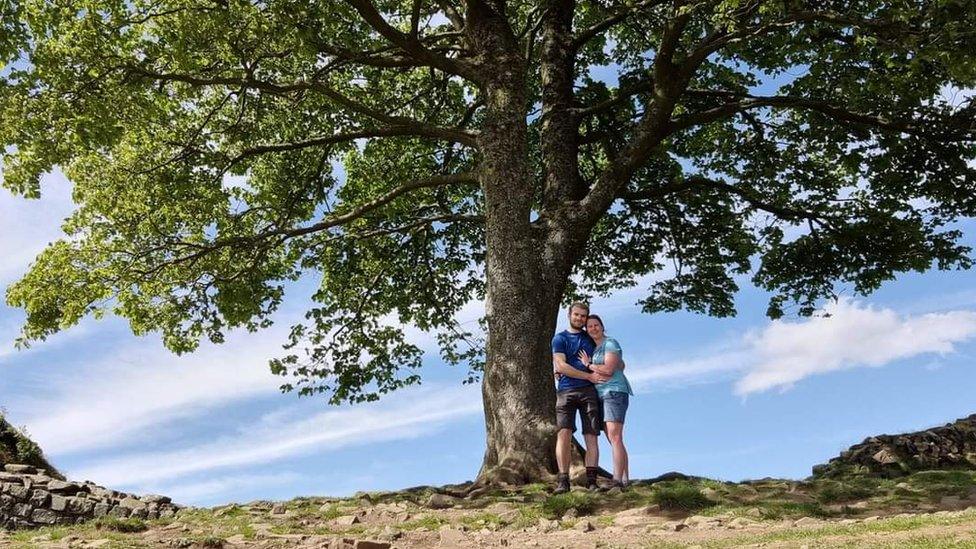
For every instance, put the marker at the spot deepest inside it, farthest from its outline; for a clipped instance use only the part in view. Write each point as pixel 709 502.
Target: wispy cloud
pixel 140 385
pixel 411 414
pixel 850 335
pixel 27 226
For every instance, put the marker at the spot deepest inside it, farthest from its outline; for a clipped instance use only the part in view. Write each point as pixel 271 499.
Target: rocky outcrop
pixel 32 497
pixel 16 447
pixel 952 446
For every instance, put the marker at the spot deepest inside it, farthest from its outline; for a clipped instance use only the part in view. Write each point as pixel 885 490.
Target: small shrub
pixel 680 496
pixel 129 525
pixel 212 541
pixel 555 506
pixel 833 492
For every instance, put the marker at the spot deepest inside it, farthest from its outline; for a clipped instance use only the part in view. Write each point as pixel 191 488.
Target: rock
pixel 450 536
pixel 674 526
pixel 39 498
pixel 19 468
pixel 120 512
pixel 16 491
pixel 59 503
pixel 441 501
pixel 805 521
pixel 155 498
pixel 390 534
pixel 101 509
pixel 62 487
pixel 741 522
pixel 584 526
pixel 278 509
pixel 570 513
pixel 951 501
pixel 347 520
pixel 79 506
pixel 638 511
pixel 369 544
pixel 132 503
pixel 44 516
pixel 631 521
pixel 546 525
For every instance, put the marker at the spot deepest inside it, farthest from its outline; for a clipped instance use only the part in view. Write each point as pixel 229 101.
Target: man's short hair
pixel 579 305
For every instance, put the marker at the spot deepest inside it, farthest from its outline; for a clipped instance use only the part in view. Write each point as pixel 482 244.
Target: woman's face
pixel 594 328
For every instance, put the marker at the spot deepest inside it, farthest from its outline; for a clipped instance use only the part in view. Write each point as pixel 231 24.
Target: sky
pixel 732 399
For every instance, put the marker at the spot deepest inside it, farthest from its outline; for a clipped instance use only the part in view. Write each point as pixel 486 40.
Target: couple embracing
pixel 589 366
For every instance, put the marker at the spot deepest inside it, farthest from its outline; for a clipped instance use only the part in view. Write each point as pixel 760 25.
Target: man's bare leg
pixel 564 439
pixel 564 447
pixel 592 459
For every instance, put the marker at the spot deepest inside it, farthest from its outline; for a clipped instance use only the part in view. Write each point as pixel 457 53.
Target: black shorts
pixel 587 402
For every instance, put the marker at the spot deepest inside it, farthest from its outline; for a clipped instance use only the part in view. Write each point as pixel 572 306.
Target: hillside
pixel 926 509
pixel 16 447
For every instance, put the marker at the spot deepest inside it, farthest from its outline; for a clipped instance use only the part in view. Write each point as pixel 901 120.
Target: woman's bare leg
pixel 621 466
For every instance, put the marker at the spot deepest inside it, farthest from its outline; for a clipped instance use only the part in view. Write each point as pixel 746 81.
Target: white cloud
pixel 784 352
pixel 411 414
pixel 27 226
pixel 142 385
pixel 854 335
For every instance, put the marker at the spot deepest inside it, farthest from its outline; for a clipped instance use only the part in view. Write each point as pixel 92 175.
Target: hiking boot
pixel 562 485
pixel 591 485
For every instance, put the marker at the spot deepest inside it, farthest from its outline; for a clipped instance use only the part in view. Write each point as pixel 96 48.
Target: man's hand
pixel 597 377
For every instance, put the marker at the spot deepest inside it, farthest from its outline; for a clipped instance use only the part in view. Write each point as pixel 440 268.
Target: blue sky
pixel 727 398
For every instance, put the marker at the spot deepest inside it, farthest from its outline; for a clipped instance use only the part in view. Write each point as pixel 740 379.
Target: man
pixel 575 392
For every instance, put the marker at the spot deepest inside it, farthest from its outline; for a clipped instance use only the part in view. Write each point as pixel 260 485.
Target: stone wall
pixel 952 446
pixel 31 497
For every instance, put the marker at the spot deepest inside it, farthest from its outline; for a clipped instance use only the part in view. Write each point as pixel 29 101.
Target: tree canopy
pixel 219 149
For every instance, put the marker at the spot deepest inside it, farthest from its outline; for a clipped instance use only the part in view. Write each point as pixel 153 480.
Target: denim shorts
pixel 615 406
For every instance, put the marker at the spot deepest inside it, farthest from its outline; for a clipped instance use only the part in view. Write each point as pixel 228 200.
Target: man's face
pixel 577 318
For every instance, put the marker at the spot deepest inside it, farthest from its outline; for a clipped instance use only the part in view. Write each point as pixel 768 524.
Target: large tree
pixel 516 152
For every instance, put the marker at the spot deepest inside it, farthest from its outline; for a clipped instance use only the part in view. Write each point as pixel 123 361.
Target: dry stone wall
pixel 31 497
pixel 951 446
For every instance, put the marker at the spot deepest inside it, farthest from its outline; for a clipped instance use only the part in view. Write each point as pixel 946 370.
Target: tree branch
pixel 346 137
pixel 411 44
pixel 619 16
pixel 315 86
pixel 201 250
pixel 757 202
pixel 747 102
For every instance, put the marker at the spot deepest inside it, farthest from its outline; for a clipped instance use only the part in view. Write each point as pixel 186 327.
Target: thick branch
pixel 411 44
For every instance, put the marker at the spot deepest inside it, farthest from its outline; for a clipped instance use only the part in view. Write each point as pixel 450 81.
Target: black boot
pixel 591 473
pixel 562 484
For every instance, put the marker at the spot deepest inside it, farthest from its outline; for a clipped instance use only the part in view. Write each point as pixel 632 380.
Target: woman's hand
pixel 585 358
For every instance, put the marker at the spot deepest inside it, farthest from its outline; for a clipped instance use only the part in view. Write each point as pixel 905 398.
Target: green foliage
pixel 218 152
pixel 555 506
pixel 127 525
pixel 680 495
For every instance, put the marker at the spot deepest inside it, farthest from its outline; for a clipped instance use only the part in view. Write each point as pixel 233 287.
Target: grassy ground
pixel 928 509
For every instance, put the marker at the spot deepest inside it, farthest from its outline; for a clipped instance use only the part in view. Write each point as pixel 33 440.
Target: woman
pixel 615 393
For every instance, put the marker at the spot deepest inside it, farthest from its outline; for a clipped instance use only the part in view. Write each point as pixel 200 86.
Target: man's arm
pixel 562 367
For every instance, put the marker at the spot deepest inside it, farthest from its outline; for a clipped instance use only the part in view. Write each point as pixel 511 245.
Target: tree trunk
pixel 517 386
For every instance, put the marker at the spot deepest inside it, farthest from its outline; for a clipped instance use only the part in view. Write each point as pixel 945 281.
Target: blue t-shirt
pixel 618 382
pixel 569 344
